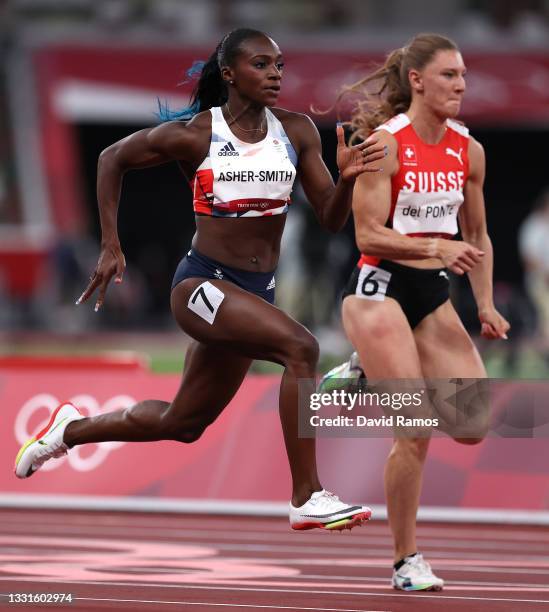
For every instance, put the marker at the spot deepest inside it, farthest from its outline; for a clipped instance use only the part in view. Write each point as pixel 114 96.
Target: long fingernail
pixel 78 301
pixel 96 307
pixel 505 337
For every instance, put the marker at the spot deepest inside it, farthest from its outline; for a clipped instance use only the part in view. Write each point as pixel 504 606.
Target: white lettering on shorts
pixel 372 283
pixel 205 301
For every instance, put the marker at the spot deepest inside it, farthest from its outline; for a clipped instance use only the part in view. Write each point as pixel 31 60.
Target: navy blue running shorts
pixel 195 264
pixel 418 291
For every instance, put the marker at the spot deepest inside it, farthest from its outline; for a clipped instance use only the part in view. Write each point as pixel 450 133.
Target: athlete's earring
pixel 231 82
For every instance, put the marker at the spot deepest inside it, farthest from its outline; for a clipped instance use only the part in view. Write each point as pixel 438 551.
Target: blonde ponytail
pixel 393 95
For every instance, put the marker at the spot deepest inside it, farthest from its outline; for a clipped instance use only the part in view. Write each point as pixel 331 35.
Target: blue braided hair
pixel 183 114
pixel 210 89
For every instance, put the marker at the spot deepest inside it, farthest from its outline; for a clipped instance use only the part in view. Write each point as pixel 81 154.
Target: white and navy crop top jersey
pixel 427 190
pixel 239 179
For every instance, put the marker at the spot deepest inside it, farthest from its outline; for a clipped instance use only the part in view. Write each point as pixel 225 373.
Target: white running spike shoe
pixel 48 443
pixel 324 510
pixel 348 376
pixel 416 575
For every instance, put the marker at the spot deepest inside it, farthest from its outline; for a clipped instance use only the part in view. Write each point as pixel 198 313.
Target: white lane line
pixel 452 583
pixel 468 562
pixel 320 549
pixel 407 595
pixel 209 603
pixel 191 534
pixel 497 570
pixel 448 566
pixel 211 587
pixel 224 507
pixel 505 533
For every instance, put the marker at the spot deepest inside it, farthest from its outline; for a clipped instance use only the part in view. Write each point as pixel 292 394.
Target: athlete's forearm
pixel 132 152
pixel 384 242
pixel 481 275
pixel 109 185
pixel 337 207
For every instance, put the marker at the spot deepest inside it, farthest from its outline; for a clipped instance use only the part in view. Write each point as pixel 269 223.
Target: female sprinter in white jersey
pixel 241 157
pixel 396 310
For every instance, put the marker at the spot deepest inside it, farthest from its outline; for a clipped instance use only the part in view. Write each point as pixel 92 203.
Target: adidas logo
pixel 444 273
pixel 228 149
pixel 271 285
pixel 218 274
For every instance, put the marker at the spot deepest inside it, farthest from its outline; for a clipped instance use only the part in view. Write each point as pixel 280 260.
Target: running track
pixel 162 562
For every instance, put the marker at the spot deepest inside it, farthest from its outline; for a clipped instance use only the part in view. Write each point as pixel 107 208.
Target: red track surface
pixel 138 562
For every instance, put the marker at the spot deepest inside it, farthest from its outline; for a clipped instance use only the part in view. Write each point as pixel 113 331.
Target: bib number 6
pixel 369 286
pixel 372 283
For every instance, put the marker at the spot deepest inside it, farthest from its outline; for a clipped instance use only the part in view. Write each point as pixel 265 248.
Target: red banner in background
pixel 501 87
pixel 241 456
pixel 220 465
pixel 121 85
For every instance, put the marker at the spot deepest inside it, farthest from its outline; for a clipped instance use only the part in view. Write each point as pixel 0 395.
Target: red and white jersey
pixel 239 179
pixel 427 189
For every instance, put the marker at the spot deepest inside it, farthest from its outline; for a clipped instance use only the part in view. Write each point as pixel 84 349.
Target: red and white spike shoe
pixel 48 443
pixel 324 510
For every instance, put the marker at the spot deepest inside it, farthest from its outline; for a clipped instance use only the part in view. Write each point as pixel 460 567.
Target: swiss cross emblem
pixel 409 155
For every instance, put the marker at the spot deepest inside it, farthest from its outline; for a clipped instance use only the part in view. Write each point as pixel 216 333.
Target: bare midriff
pixel 251 243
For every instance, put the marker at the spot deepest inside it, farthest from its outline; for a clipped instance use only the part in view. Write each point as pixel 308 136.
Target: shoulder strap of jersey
pixel 395 124
pixel 458 127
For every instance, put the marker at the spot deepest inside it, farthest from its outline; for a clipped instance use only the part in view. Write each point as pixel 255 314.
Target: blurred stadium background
pixel 77 75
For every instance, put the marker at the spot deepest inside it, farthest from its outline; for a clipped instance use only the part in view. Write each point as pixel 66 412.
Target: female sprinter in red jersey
pixel 396 310
pixel 241 156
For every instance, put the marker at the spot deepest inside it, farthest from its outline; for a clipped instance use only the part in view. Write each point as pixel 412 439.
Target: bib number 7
pixel 205 301
pixel 372 283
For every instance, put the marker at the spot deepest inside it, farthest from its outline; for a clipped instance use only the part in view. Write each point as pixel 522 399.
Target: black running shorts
pixel 195 264
pixel 419 292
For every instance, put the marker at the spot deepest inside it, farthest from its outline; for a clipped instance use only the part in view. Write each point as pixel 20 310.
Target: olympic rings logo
pixel 78 460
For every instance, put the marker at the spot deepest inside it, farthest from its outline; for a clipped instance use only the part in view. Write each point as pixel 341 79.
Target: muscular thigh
pixel 227 316
pixel 384 340
pixel 211 377
pixel 382 336
pixel 447 352
pixel 445 348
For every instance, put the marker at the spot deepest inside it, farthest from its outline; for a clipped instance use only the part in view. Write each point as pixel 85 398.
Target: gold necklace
pixel 259 129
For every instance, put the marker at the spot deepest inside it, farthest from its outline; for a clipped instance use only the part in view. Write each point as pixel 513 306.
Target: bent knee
pixel 302 349
pixel 383 327
pixel 182 430
pixel 475 433
pixel 187 436
pixel 379 323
